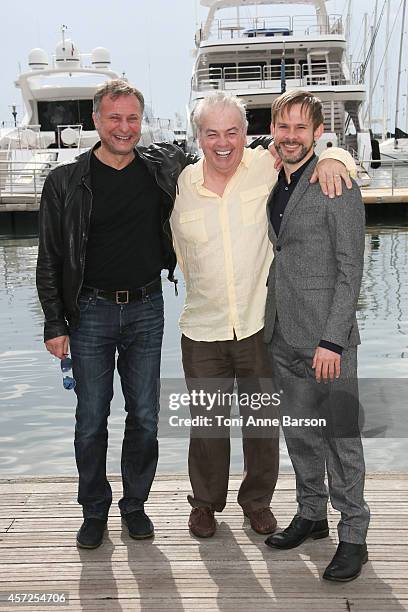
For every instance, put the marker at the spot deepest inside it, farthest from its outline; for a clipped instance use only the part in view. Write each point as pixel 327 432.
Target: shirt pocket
pixel 253 205
pixel 192 225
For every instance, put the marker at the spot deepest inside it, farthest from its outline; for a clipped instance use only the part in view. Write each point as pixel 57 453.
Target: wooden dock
pixel 234 570
pixel 385 196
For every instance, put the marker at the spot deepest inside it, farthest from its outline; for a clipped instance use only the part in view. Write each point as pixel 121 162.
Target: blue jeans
pixel 135 331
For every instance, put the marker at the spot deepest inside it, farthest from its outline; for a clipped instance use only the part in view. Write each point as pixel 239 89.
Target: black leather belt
pixel 123 296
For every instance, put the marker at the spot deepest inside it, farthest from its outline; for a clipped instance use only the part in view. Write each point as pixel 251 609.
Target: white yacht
pixel 57 124
pixel 255 57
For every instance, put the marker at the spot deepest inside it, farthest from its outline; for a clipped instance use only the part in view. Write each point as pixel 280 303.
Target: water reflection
pixel 37 414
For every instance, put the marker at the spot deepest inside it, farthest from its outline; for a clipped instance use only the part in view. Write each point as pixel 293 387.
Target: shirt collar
pixel 295 176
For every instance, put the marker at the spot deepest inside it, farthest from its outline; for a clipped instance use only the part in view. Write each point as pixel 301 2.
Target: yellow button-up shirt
pixel 223 249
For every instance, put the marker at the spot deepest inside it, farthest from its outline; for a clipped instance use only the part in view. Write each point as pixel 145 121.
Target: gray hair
pixel 219 98
pixel 114 89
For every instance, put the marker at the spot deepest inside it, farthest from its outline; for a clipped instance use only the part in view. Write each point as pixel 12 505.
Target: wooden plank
pixel 282 570
pixel 244 587
pixel 190 604
pixel 177 554
pixel 213 605
pixel 59 547
pixel 398 529
pixel 269 604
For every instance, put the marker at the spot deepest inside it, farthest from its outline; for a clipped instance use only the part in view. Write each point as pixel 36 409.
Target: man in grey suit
pixel 312 335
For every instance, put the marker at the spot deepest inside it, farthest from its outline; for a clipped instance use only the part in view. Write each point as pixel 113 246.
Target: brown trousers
pixel 245 361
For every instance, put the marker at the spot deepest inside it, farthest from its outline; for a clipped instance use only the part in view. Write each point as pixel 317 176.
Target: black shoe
pixel 298 531
pixel 138 524
pixel 90 534
pixel 347 562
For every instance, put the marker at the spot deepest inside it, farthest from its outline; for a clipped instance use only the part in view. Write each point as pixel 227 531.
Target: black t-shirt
pixel 124 248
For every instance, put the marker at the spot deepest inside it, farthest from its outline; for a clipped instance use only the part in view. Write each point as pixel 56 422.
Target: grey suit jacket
pixel 315 277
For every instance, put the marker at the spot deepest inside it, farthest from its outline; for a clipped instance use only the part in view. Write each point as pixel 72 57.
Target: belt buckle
pixel 122 297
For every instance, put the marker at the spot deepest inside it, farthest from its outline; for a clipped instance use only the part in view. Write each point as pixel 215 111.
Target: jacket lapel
pixel 298 193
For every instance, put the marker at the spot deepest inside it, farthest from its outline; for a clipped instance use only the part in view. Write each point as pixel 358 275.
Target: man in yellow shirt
pixel 220 234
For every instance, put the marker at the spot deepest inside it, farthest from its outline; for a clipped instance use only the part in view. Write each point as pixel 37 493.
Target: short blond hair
pixel 307 100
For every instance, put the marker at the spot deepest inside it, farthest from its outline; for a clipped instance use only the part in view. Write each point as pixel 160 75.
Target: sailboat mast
pixel 372 62
pixel 399 73
pixel 385 93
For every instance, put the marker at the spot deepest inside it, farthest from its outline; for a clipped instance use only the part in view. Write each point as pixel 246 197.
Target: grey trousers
pixel 333 446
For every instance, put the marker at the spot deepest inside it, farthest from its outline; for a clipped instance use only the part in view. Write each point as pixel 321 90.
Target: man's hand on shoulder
pixel 326 364
pixel 330 173
pixel 59 346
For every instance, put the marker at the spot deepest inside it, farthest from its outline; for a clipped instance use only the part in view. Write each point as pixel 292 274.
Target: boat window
pixel 259 121
pixel 65 112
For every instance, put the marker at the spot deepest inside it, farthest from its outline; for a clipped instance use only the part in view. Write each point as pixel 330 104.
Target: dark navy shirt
pixel 282 194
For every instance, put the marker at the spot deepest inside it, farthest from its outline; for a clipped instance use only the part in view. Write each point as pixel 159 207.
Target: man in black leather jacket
pixel 104 239
pixel 66 205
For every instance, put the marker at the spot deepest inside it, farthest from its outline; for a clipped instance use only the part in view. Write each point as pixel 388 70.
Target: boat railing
pixel 296 75
pixel 271 26
pixel 7 124
pixel 24 178
pixel 26 137
pixel 357 72
pixel 388 176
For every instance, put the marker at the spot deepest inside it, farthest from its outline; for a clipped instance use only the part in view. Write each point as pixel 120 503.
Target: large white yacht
pixel 57 125
pixel 255 56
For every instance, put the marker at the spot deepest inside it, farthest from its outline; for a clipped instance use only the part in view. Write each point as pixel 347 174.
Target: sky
pixel 152 41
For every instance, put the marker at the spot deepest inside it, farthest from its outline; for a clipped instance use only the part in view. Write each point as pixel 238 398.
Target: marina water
pixel 37 414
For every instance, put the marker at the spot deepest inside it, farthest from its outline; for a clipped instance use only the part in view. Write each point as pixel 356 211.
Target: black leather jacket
pixel 65 211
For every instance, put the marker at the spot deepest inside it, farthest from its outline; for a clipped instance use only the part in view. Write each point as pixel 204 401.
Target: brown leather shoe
pixel 202 522
pixel 262 521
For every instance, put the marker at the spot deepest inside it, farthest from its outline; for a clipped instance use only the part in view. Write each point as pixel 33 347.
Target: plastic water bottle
pixel 68 380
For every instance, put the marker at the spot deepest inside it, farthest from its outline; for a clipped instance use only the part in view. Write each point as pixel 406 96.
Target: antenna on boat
pixel 14 113
pixel 399 74
pixel 64 28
